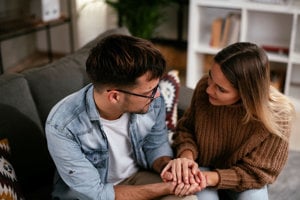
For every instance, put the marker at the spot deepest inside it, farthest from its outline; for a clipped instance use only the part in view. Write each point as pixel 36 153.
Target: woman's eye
pixel 221 89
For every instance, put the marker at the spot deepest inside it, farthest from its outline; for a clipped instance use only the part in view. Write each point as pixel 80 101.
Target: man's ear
pixel 113 96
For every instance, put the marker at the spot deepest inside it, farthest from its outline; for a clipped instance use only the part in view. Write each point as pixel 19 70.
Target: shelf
pixel 18 27
pixel 291 7
pixel 275 27
pixel 276 57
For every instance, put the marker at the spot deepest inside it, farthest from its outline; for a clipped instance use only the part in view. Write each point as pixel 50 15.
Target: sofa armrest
pixel 184 99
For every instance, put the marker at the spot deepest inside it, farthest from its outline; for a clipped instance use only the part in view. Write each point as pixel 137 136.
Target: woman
pixel 237 127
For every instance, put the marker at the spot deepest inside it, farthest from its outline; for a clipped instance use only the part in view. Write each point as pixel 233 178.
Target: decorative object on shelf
pixel 46 10
pixel 276 49
pixel 140 17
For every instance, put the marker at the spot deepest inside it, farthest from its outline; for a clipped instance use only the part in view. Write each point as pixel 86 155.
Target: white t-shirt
pixel 121 158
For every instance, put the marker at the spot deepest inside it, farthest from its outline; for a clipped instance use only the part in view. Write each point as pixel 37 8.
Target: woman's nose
pixel 210 89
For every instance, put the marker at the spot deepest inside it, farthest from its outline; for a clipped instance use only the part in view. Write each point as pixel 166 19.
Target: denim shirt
pixel 79 147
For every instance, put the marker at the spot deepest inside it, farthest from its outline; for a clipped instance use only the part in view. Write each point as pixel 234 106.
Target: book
pixel 226 30
pixel 216 32
pixel 231 29
pixel 234 31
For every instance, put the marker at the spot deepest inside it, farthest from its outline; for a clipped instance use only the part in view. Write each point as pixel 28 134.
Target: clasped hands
pixel 184 173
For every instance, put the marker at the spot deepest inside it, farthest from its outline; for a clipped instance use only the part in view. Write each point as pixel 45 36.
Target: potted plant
pixel 141 17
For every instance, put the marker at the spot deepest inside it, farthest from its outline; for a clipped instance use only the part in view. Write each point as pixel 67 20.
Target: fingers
pixel 181 170
pixel 186 172
pixel 178 189
pixel 192 179
pixel 193 189
pixel 186 189
pixel 167 177
pixel 194 167
pixel 165 169
pixel 177 169
pixel 194 186
pixel 203 182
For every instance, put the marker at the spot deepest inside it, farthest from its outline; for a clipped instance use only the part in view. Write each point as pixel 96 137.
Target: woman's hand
pixel 181 170
pixel 185 174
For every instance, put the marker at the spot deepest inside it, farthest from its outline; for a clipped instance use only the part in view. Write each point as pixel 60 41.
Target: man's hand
pixel 185 174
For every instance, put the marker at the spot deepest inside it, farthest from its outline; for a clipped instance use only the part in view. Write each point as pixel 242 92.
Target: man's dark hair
pixel 119 60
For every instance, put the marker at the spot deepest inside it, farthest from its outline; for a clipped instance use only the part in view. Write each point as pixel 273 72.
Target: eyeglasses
pixel 152 96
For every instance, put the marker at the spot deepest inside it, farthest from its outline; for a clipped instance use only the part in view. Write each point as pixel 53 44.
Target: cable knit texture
pixel 245 156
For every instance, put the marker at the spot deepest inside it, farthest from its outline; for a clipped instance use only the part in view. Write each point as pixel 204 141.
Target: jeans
pixel 257 194
pixel 251 194
pixel 147 177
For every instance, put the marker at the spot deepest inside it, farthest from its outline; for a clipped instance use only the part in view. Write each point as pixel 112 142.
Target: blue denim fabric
pixel 79 147
pixel 251 194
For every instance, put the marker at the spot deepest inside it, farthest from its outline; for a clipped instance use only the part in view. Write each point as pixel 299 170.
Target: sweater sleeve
pixel 258 168
pixel 184 138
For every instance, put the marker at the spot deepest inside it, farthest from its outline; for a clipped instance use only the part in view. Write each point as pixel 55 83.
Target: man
pixel 109 140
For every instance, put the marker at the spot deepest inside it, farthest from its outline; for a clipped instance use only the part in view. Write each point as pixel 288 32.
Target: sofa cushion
pixel 53 82
pixel 9 186
pixel 185 96
pixel 29 154
pixel 169 87
pixel 14 91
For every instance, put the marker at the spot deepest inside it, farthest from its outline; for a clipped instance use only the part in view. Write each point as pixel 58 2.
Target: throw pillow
pixel 169 89
pixel 9 186
pixel 29 154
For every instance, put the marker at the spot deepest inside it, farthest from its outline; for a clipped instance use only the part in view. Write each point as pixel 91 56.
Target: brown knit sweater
pixel 245 156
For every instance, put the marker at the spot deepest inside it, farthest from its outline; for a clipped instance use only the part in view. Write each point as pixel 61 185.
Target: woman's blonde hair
pixel 247 67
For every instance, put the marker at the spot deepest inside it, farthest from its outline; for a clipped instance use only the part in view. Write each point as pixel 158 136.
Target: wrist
pixel 187 154
pixel 160 163
pixel 212 178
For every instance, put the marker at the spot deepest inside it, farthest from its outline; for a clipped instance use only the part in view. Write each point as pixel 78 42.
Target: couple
pixel 109 139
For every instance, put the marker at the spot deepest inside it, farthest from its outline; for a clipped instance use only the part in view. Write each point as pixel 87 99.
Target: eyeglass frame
pixel 152 96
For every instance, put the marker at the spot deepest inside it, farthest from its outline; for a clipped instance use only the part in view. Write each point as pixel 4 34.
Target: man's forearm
pixel 143 192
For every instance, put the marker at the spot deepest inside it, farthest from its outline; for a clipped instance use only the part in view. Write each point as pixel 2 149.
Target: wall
pixel 89 19
pixel 92 17
pixel 168 30
pixel 15 50
pixel 21 48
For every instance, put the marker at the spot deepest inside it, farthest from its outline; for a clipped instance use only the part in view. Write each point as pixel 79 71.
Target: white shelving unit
pixel 261 23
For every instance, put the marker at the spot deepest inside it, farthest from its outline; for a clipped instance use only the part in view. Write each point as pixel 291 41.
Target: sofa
pixel 25 101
